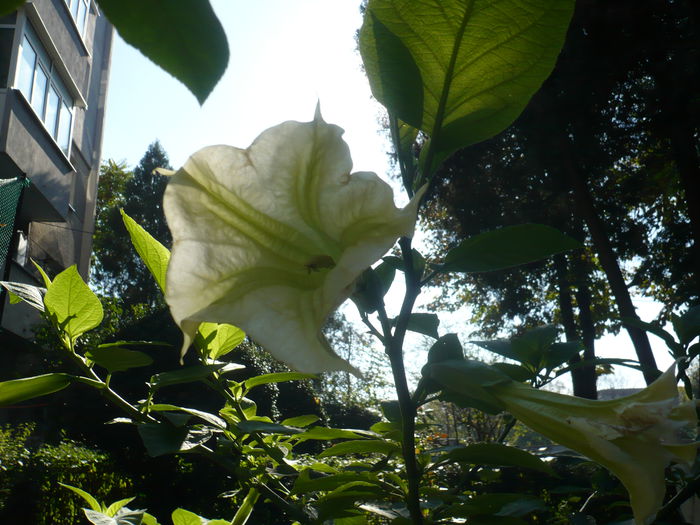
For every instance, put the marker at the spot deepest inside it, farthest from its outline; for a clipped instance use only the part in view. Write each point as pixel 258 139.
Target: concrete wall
pixel 59 207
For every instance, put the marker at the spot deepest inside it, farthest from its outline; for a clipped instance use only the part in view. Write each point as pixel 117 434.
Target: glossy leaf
pixel 560 353
pixel 246 508
pixel 185 517
pixel 363 446
pixel 44 276
pixel 423 323
pixel 534 344
pixel 446 348
pixel 189 374
pixel 18 390
pixel 212 419
pixel 327 434
pixel 301 421
pixel 496 508
pixel 466 382
pixel 515 372
pixel 278 377
pixel 154 255
pixel 217 340
pixel 305 483
pixel 184 38
pixel 687 326
pixel 267 428
pixel 117 359
pixel 460 70
pixel 117 506
pixel 496 455
pixel 162 438
pixel 506 248
pixel 32 295
pixel 89 499
pixel 71 305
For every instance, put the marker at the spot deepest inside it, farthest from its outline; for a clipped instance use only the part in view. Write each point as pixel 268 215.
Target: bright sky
pixel 285 56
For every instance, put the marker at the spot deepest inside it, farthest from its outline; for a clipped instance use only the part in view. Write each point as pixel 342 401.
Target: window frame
pixel 74 13
pixel 42 60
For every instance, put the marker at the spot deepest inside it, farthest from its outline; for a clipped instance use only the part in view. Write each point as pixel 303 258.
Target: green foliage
pixel 469 72
pixel 154 255
pixel 18 390
pixel 459 72
pixel 71 305
pixel 117 269
pixel 507 247
pixel 32 473
pixel 184 38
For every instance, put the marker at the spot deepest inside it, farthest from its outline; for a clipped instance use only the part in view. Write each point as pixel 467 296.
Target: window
pixel 38 80
pixel 78 10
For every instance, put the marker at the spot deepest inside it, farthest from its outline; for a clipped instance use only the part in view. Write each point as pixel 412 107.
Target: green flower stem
pixel 393 344
pixel 111 396
pixel 215 385
pixel 291 510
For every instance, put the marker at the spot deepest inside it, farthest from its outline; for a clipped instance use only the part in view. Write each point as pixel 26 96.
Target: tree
pixel 117 269
pixel 603 152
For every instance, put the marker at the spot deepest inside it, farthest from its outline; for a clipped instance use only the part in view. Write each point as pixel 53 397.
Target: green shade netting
pixel 10 192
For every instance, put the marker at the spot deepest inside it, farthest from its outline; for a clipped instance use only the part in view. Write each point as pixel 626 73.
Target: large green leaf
pixel 687 326
pixel 216 340
pixel 278 377
pixel 17 390
pixel 212 419
pixel 465 382
pixel 246 508
pixel 424 323
pixel 161 438
pixel 184 38
pixel 326 434
pixel 32 295
pixel 305 483
pixel 152 252
pixel 189 374
pixel 117 359
pixel 362 446
pixel 496 455
pixel 478 62
pixel 89 498
pixel 266 428
pixel 185 517
pixel 507 247
pixel 71 305
pixel 446 348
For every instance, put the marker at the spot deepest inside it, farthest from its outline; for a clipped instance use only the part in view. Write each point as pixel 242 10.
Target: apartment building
pixel 54 64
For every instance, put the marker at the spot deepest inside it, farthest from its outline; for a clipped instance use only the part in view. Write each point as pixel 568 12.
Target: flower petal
pixel 272 238
pixel 635 437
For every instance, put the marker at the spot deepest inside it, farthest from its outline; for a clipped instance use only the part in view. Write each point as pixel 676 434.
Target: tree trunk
pixel 608 261
pixel 566 309
pixel 585 318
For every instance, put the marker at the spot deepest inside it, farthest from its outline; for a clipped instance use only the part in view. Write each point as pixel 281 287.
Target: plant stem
pixel 393 344
pixel 673 506
pixel 111 396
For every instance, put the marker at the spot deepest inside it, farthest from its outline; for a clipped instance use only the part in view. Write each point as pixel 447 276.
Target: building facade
pixel 54 65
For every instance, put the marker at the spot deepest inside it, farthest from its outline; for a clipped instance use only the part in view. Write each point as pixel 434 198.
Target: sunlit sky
pixel 285 57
